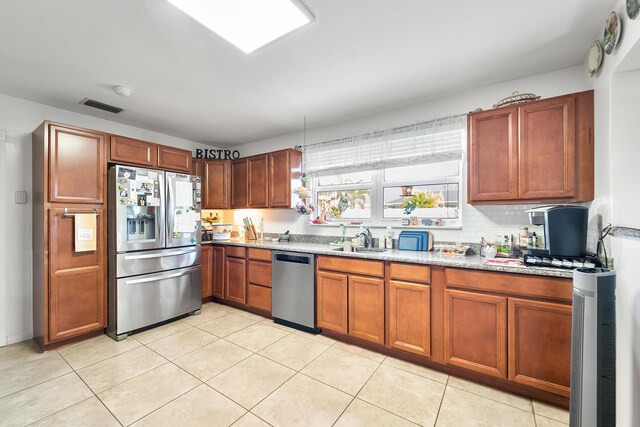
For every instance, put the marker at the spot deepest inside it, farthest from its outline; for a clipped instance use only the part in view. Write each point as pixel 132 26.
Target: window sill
pixel 402 227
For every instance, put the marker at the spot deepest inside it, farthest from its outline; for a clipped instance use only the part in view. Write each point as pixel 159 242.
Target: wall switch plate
pixel 21 197
pixel 3 136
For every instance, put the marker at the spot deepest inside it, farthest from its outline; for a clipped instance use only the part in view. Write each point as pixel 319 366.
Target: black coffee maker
pixel 565 230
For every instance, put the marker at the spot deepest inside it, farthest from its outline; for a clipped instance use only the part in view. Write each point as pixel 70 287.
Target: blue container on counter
pixel 410 240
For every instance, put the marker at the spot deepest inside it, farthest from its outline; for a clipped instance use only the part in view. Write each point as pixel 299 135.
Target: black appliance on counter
pixel 565 230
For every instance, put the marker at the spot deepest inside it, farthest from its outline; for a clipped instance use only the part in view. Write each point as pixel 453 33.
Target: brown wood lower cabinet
pixel 331 299
pixel 410 317
pixel 77 291
pixel 540 344
pixel 206 260
pixel 366 308
pixel 235 282
pixel 475 330
pixel 259 297
pixel 217 273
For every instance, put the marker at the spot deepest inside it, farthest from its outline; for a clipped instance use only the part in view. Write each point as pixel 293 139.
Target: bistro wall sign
pixel 217 154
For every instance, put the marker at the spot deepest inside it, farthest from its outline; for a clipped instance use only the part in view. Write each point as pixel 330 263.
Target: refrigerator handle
pixel 159 277
pixel 163 254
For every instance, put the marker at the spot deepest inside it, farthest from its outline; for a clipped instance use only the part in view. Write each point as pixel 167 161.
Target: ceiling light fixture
pixel 122 90
pixel 248 24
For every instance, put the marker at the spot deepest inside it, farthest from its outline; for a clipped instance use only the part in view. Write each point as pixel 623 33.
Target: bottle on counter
pixel 534 240
pixel 389 239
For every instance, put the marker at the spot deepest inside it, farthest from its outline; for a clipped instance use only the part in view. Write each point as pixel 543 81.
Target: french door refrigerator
pixel 154 248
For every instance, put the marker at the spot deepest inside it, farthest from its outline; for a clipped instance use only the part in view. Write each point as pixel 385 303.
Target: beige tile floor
pixel 227 367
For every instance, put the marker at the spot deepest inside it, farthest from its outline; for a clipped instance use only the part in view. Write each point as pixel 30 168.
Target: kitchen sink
pixel 363 249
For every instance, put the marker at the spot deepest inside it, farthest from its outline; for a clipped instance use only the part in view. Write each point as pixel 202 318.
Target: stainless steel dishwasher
pixel 293 298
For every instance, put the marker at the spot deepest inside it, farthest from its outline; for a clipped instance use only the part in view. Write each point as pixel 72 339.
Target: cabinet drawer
pixel 410 272
pixel 513 284
pixel 259 297
pixel 260 273
pixel 260 254
pixel 351 265
pixel 236 251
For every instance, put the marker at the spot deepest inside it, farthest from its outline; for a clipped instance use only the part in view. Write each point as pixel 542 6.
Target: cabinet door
pixel 493 155
pixel 283 165
pixel 77 290
pixel 133 152
pixel 239 187
pixel 235 288
pixel 196 167
pixel 77 165
pixel 217 271
pixel 207 268
pixel 410 317
pixel 331 296
pixel 258 181
pixel 366 308
pixel 215 184
pixel 540 345
pixel 174 159
pixel 475 332
pixel 547 149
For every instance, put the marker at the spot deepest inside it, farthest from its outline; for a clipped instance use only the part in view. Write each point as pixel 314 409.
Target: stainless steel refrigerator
pixel 154 248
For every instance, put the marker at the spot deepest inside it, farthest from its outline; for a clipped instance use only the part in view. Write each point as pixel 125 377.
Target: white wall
pixel 478 221
pixel 19 118
pixel 616 143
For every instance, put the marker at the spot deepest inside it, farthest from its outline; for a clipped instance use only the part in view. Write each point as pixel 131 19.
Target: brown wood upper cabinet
pixel 239 184
pixel 215 184
pixel 535 152
pixel 196 167
pixel 174 159
pixel 131 151
pixel 284 170
pixel 76 165
pixel 540 344
pixel 258 181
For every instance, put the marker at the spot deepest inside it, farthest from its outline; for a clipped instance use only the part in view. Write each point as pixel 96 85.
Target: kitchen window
pixel 384 177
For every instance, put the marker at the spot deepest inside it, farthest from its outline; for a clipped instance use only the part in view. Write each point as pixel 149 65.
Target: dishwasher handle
pixel 295 259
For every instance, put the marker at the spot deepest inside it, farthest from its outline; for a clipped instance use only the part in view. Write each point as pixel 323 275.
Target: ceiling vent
pixel 101 106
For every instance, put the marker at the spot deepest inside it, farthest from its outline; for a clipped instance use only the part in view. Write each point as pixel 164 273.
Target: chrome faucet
pixel 367 238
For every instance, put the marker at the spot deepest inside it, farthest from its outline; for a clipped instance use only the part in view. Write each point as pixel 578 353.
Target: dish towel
pixel 85 232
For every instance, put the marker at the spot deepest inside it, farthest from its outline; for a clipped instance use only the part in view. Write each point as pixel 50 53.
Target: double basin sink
pixel 363 250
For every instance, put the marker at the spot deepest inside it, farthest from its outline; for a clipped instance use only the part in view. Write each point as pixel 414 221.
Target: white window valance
pixel 425 142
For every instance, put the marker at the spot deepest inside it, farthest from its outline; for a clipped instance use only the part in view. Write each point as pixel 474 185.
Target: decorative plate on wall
pixel 595 58
pixel 632 8
pixel 612 31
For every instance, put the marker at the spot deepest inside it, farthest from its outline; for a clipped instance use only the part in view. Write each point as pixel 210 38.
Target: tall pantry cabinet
pixel 69 286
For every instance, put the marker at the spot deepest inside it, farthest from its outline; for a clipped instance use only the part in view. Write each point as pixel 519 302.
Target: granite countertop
pixel 474 262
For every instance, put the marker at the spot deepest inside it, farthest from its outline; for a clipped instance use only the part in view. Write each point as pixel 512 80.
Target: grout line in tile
pixel 446 385
pixel 494 400
pixel 40 383
pixel 386 410
pixel 101 360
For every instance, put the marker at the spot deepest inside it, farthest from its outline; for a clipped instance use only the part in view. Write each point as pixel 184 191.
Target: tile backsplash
pixel 478 221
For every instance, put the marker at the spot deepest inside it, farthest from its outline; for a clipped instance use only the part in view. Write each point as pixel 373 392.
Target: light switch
pixel 21 197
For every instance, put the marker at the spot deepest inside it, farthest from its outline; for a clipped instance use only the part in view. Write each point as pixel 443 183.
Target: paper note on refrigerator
pixel 183 223
pixel 184 193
